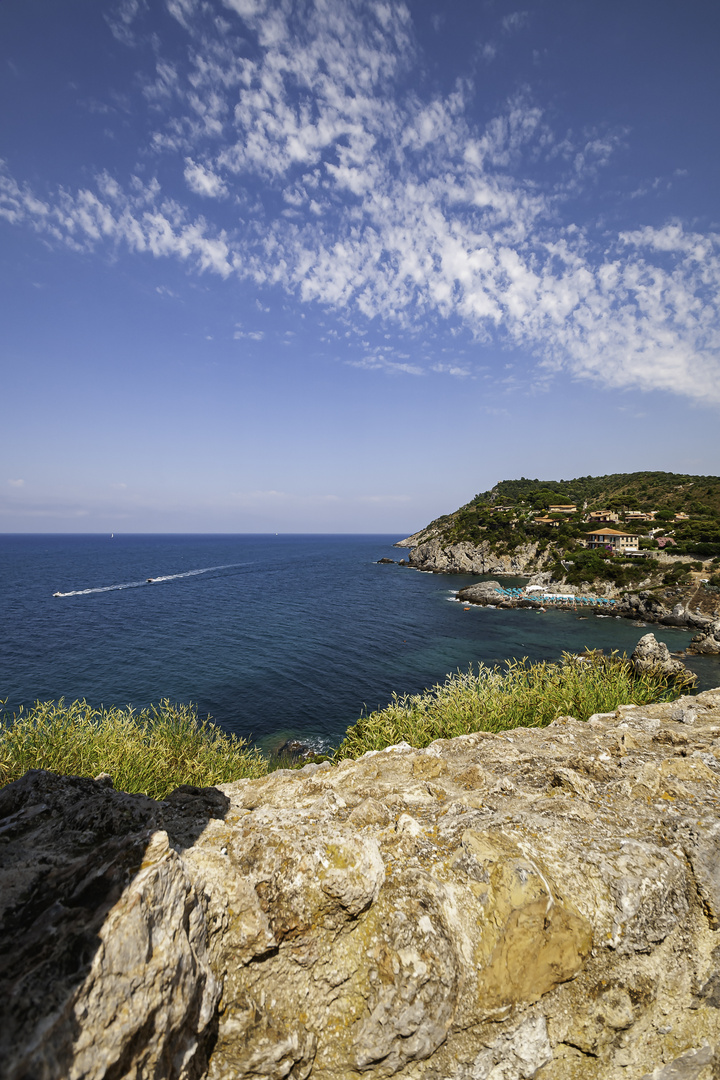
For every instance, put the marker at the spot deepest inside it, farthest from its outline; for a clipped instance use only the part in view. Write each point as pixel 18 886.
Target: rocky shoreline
pixel 639 608
pixel 694 608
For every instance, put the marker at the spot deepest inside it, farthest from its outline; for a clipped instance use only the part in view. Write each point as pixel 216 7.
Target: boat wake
pixel 147 581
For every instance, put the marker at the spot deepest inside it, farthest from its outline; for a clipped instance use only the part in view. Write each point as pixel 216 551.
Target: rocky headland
pixel 540 903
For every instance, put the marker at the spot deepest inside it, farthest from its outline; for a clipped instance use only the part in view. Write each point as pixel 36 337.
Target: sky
pixel 339 265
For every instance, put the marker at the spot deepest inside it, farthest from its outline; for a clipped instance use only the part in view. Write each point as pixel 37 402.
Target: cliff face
pixel 467 558
pixel 540 903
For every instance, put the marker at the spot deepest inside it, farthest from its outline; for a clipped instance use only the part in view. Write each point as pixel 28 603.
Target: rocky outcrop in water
pixel 640 607
pixel 707 642
pixel 690 607
pixel 485 592
pixel 537 903
pixel 652 655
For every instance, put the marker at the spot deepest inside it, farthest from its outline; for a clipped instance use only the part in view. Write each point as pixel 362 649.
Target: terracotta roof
pixel 610 532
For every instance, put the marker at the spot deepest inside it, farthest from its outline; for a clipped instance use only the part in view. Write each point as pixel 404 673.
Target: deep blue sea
pixel 273 636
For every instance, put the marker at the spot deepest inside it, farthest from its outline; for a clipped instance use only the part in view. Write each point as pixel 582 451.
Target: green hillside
pixel 507 516
pixel 620 491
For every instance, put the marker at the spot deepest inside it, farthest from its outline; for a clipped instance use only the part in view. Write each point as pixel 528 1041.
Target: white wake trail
pixel 147 581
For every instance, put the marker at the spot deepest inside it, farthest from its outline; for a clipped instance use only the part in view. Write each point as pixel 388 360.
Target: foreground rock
pixel 485 592
pixel 539 903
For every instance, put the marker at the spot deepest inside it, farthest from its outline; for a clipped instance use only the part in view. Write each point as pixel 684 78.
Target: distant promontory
pixel 648 540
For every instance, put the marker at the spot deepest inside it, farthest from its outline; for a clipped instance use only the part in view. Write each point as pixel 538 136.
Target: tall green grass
pixel 520 695
pixel 151 751
pixel 156 749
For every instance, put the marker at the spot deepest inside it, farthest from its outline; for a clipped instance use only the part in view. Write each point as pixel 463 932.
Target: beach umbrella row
pixel 550 598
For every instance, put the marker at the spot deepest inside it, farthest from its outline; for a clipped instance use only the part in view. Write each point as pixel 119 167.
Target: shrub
pixel 521 695
pixel 152 751
pixel 678 574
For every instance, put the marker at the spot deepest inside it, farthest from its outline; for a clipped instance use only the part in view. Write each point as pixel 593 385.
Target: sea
pixel 275 637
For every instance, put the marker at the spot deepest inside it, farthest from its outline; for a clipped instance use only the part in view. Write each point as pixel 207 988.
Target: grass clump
pixel 149 752
pixel 155 750
pixel 520 695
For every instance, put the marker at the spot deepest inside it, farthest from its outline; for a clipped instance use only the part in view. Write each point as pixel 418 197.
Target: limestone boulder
pixel 653 655
pixel 538 903
pixel 485 592
pixel 105 968
pixel 463 557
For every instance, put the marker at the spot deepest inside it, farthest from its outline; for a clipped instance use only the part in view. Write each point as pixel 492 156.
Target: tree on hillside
pixel 546 498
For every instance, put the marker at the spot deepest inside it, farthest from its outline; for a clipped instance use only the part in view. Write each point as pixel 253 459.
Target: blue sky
pixel 338 266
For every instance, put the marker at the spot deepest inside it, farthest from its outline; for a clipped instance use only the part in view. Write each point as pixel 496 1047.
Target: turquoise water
pixel 274 636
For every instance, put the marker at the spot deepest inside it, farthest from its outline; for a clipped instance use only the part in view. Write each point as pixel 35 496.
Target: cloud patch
pixel 354 193
pixel 203 181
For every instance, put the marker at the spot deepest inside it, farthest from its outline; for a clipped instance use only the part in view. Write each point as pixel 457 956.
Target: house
pixel 603 515
pixel 562 508
pixel 640 515
pixel 546 521
pixel 617 542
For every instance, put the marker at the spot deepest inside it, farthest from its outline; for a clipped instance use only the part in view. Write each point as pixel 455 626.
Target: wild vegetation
pixel 152 751
pixel 600 566
pixel 634 491
pixel 520 695
pixel 156 749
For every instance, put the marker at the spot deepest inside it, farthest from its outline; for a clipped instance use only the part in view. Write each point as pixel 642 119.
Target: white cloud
pixel 452 369
pixel 138 218
pixel 254 335
pixel 516 20
pixel 378 363
pixel 401 209
pixel 16 483
pixel 203 181
pixel 121 20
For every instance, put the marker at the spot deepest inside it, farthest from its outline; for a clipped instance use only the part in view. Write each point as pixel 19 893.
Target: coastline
pixel 695 607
